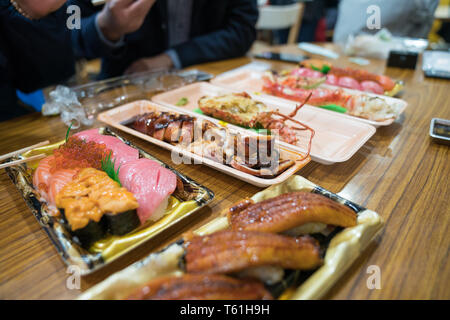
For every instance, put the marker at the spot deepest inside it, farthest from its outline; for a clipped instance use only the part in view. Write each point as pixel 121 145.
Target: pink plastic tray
pixel 336 139
pixel 251 81
pixel 117 116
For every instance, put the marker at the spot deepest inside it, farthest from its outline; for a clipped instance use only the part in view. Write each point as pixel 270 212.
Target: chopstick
pixel 16 162
pixel 17 152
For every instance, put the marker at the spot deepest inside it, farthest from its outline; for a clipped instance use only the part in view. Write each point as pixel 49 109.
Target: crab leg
pixel 302 124
pixel 293 113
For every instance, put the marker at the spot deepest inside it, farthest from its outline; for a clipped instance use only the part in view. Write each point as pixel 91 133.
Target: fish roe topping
pixel 77 153
pixel 43 187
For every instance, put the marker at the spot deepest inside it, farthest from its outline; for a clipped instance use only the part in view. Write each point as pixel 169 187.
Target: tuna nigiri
pixel 151 184
pixel 121 152
pixel 372 86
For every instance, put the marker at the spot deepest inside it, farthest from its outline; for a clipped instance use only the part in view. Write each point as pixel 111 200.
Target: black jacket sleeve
pixel 232 40
pixel 86 42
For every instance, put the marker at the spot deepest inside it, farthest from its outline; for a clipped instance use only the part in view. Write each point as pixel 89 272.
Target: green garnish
pixel 182 102
pixel 325 69
pixel 68 131
pixel 267 132
pixel 197 110
pixel 334 107
pixel 108 167
pixel 258 126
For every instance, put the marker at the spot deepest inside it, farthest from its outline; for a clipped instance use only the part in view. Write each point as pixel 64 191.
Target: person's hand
pixel 159 62
pixel 120 17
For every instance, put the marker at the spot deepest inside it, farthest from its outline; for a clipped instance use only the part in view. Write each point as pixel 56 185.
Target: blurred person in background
pixel 174 34
pixel 36 48
pixel 318 17
pixel 34 51
pixel 404 18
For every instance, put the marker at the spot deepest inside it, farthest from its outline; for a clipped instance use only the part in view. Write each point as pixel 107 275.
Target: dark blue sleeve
pixel 233 40
pixel 88 44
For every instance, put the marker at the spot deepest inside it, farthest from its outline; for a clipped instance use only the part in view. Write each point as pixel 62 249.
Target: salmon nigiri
pixel 58 180
pixel 42 176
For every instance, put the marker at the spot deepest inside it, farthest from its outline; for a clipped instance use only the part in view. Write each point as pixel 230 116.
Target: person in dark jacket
pixel 33 53
pixel 175 33
pixel 36 45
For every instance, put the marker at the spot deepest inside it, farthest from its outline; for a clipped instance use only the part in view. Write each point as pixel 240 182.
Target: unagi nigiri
pixel 230 251
pixel 122 153
pixel 201 287
pixel 289 211
pixel 151 184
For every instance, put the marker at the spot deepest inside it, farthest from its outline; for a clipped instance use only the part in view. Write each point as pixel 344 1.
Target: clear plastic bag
pixel 79 105
pixel 379 45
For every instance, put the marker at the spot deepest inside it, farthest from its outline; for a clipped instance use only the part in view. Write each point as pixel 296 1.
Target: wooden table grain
pixel 399 173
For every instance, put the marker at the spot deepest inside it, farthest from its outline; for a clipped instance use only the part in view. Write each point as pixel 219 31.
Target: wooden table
pixel 399 173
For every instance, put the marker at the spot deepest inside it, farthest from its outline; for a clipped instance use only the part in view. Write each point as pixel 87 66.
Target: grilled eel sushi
pixel 290 213
pixel 201 287
pixel 251 254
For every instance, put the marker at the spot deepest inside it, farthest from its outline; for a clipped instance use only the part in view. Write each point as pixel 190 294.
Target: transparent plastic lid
pixel 79 105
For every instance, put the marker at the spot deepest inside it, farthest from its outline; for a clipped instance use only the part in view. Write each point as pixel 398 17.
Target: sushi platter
pixel 95 236
pixel 335 245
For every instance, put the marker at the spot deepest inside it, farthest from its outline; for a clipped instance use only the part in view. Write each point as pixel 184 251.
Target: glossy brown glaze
pixel 164 126
pixel 290 210
pixel 232 251
pixel 201 287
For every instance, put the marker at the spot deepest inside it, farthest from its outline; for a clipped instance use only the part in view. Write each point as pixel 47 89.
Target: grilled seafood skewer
pixel 201 287
pixel 230 252
pixel 289 211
